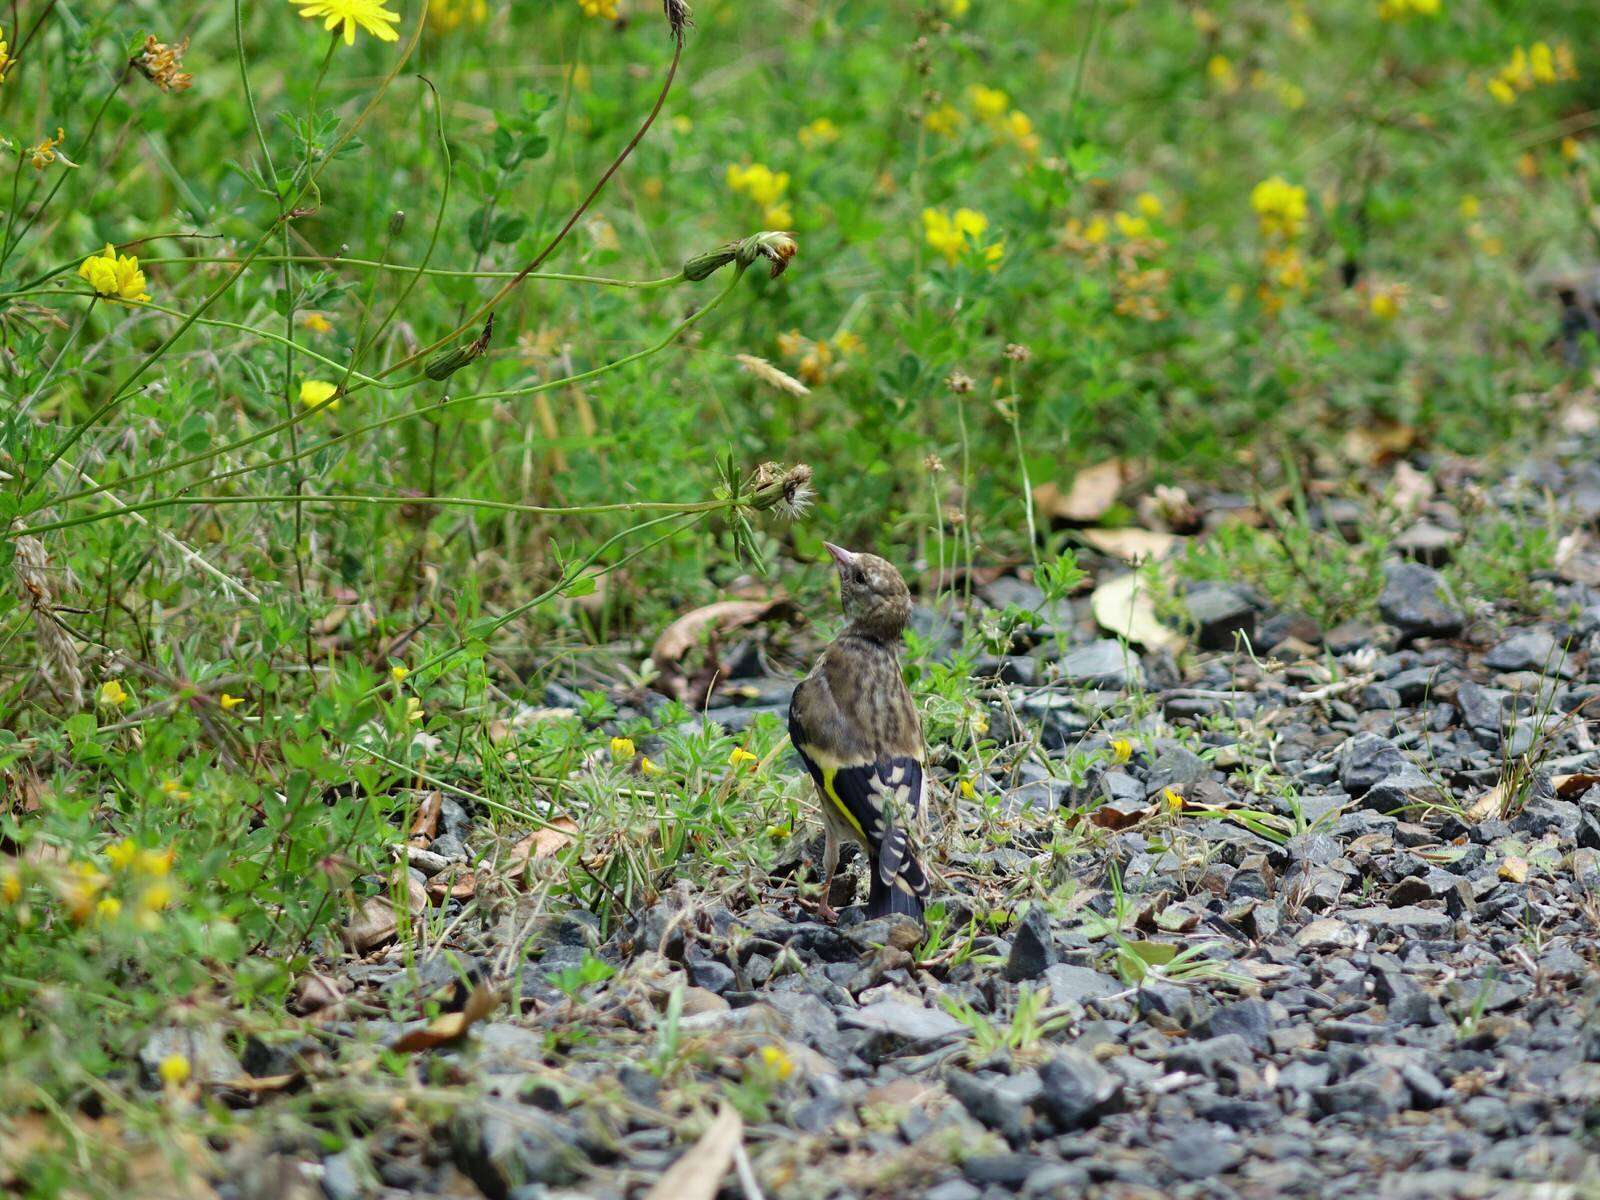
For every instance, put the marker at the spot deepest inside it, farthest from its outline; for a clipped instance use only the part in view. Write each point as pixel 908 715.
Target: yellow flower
pixel 1097 230
pixel 1121 751
pixel 121 854
pixel 156 897
pixel 108 909
pixel 446 15
pixel 82 892
pixel 1131 227
pixel 622 749
pixel 606 9
pixel 1541 63
pixel 154 863
pixel 43 153
pixel 112 693
pixel 944 120
pixel 968 792
pixel 10 885
pixel 1501 90
pixel 763 185
pixel 989 103
pixel 1399 10
pixel 5 57
pixel 313 393
pixel 1527 165
pixel 1569 148
pixel 315 321
pixel 173 790
pixel 115 276
pixel 647 765
pixel 1020 127
pixel 1469 207
pixel 821 132
pixel 1384 303
pixel 1280 205
pixel 229 703
pixel 399 672
pixel 1174 801
pixel 1222 74
pixel 957 8
pixel 174 1070
pixel 777 1061
pixel 369 14
pixel 682 125
pixel 954 235
pixel 740 756
pixel 1149 204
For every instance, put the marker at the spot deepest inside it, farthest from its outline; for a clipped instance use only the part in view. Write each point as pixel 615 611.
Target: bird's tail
pixel 903 893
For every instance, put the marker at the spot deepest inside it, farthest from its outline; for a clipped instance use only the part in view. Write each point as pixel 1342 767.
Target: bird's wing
pixel 877 797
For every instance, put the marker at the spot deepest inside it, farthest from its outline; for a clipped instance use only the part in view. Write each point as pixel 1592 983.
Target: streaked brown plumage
pixel 856 729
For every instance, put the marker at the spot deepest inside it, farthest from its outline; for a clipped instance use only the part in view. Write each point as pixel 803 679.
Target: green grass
pixel 488 510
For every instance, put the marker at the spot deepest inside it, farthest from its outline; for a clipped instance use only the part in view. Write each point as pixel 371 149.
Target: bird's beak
pixel 840 555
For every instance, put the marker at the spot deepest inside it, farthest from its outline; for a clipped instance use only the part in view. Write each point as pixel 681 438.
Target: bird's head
pixel 876 600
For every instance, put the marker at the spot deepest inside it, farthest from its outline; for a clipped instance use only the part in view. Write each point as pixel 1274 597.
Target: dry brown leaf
pixel 259 1084
pixel 541 844
pixel 426 825
pixel 452 884
pixel 1122 605
pixel 371 925
pixel 705 625
pixel 1132 545
pixel 1489 806
pixel 1568 786
pixel 315 993
pixel 448 1027
pixel 1115 819
pixel 699 1172
pixel 1093 492
pixel 1378 440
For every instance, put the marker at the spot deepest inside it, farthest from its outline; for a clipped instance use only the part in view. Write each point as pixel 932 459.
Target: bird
pixel 856 729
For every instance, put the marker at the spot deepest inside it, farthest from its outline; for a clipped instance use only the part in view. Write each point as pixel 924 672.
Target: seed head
pixel 679 18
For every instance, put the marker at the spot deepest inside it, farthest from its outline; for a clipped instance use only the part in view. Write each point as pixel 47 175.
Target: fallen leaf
pixel 260 1084
pixel 541 844
pixel 1567 786
pixel 1122 605
pixel 1131 545
pixel 1490 806
pixel 1093 492
pixel 698 1173
pixel 371 925
pixel 426 825
pixel 452 884
pixel 1377 440
pixel 448 1027
pixel 314 993
pixel 703 626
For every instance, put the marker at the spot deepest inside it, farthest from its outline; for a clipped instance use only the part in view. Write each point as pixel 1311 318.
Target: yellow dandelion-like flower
pixel 1149 204
pixel 398 672
pixel 154 863
pixel 44 152
pixel 821 132
pixel 229 703
pixel 318 392
pixel 1121 750
pixel 1501 90
pixel 370 15
pixel 622 749
pixel 10 885
pixel 174 1070
pixel 1280 206
pixel 605 9
pixel 1384 303
pixel 776 1060
pixel 647 766
pixel 115 276
pixel 989 103
pixel 316 322
pixel 968 792
pixel 944 120
pixel 1130 226
pixel 741 756
pixel 955 234
pixel 155 897
pixel 113 694
pixel 1174 801
pixel 108 909
pixel 121 854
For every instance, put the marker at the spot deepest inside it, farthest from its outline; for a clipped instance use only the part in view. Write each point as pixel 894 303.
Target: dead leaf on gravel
pixel 426 825
pixel 315 993
pixel 1109 816
pixel 1568 786
pixel 450 1026
pixel 371 925
pixel 541 844
pixel 703 626
pixel 1094 490
pixel 1377 441
pixel 1132 545
pixel 453 883
pixel 1123 605
pixel 699 1172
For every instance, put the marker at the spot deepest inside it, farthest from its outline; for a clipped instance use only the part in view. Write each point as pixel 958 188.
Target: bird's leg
pixel 830 864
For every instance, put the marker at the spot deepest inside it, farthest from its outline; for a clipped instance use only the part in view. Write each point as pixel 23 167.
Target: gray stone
pixel 1070 984
pixel 1033 948
pixel 1407 917
pixel 909 1022
pixel 501 1146
pixel 1103 664
pixel 1415 602
pixel 1366 759
pixel 1529 650
pixel 210 1060
pixel 1077 1091
pixel 1251 1020
pixel 1219 615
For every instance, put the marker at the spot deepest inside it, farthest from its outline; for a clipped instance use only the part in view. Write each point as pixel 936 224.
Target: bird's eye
pixel 857 575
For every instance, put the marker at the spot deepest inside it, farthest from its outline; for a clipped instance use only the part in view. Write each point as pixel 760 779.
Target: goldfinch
pixel 856 730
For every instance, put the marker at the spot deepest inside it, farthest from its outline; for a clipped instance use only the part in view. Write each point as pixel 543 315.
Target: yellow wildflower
pixel 108 909
pixel 944 120
pixel 162 64
pixel 777 1061
pixel 5 57
pixel 369 14
pixel 682 125
pixel 968 792
pixel 1149 204
pixel 1569 148
pixel 622 749
pixel 229 703
pixel 1527 165
pixel 1541 63
pixel 1174 801
pixel 398 672
pixel 316 322
pixel 42 153
pixel 757 181
pixel 1281 207
pixel 447 15
pixel 174 1070
pixel 82 891
pixel 605 9
pixel 1020 127
pixel 115 276
pixel 314 392
pixel 740 756
pixel 1469 207
pixel 1121 750
pixel 1220 70
pixel 121 854
pixel 956 8
pixel 113 694
pixel 154 863
pixel 10 885
pixel 155 897
pixel 648 766
pixel 989 103
pixel 1130 226
pixel 1097 230
pixel 173 790
pixel 821 132
pixel 1400 10
pixel 1501 90
pixel 846 342
pixel 954 235
pixel 1384 303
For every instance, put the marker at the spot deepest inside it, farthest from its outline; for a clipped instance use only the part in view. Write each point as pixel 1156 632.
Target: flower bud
pixel 702 266
pixel 447 362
